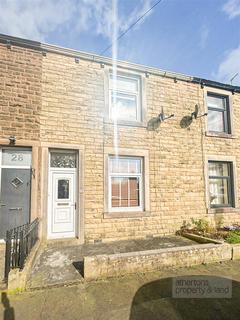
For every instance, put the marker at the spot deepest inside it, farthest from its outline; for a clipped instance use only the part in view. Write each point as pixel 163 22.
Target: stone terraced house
pixel 59 139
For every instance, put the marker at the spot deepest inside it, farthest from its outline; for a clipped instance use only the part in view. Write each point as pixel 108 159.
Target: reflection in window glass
pixel 218 113
pixel 220 184
pixel 124 83
pixel 219 192
pixel 125 192
pixel 215 121
pixel 125 182
pixel 217 102
pixel 63 189
pixel 124 106
pixel 125 165
pixel 125 97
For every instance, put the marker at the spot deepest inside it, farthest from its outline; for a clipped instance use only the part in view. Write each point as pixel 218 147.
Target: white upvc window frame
pixel 125 175
pixel 136 94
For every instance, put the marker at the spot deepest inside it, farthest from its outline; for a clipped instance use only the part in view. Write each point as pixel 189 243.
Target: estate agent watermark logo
pixel 201 287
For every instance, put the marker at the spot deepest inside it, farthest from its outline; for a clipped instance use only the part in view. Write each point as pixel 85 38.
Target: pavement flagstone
pixel 136 297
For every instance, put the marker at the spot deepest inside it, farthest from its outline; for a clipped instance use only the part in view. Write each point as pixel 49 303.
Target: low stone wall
pixel 2 261
pixel 236 251
pixel 113 265
pixel 17 278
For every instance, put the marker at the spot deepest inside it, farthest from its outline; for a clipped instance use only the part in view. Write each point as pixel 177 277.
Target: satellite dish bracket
pixel 194 114
pixel 162 117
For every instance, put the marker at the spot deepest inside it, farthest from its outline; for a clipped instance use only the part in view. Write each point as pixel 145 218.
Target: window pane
pixel 218 169
pixel 216 121
pixel 115 192
pixel 134 165
pixel 63 160
pixel 216 102
pixel 125 165
pixel 124 106
pixel 218 189
pixel 124 84
pixel 125 192
pixel 16 157
pixel 134 192
pixel 114 162
pixel 63 189
pixel 119 165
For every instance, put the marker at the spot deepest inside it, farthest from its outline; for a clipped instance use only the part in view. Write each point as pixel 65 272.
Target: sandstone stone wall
pixel 53 99
pixel 73 112
pixel 20 92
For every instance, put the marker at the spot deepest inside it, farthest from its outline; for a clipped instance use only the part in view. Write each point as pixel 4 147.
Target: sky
pixel 195 37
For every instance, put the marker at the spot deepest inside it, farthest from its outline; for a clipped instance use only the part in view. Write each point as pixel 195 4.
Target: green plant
pixel 201 225
pixel 233 237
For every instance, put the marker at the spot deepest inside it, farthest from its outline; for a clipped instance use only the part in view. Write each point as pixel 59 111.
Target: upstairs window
pixel 220 184
pixel 218 113
pixel 125 184
pixel 125 102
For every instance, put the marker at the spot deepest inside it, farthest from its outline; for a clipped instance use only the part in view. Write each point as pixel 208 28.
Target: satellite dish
pixel 154 123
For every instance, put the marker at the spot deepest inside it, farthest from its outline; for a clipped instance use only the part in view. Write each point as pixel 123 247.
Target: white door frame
pixel 51 171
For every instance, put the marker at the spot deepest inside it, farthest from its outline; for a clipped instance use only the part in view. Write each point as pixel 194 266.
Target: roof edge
pixel 44 47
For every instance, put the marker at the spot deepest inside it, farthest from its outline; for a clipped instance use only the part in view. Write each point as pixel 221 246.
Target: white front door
pixel 62 204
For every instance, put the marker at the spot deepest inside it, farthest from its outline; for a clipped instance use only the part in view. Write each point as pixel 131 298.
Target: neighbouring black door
pixel 15 194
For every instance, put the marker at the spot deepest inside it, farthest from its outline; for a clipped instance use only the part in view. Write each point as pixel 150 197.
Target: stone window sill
pixel 224 210
pixel 127 214
pixel 220 135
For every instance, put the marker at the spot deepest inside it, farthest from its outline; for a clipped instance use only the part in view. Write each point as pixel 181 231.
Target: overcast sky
pixel 195 37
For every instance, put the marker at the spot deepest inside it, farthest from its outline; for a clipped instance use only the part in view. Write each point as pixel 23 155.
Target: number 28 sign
pixel 17 157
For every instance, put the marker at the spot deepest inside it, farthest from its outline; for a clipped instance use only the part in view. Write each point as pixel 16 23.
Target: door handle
pixel 18 209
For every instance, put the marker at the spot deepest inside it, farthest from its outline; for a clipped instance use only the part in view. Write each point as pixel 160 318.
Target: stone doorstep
pixel 68 283
pixel 62 242
pixel 104 266
pixel 49 272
